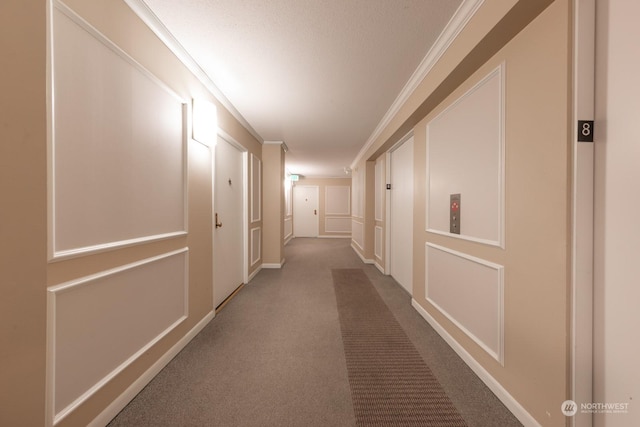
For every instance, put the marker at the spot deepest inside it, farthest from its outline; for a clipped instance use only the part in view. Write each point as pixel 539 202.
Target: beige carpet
pixel 391 385
pixel 274 357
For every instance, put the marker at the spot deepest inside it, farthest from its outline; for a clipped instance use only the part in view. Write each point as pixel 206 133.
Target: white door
pixel 228 244
pixel 305 211
pixel 401 221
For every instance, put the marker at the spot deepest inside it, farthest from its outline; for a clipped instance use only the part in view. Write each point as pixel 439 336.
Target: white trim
pixel 276 143
pixel 379 188
pixel 53 418
pixel 290 235
pixel 499 354
pixel 63 287
pixel 387 212
pixel 500 242
pixel 456 24
pixel 253 184
pixel 359 226
pixel 93 31
pixel 365 260
pixel 581 350
pixel 58 255
pixel 72 253
pixel 50 132
pixel 136 387
pixel 328 218
pixel 379 267
pixel 377 241
pixel 143 11
pixel 273 265
pixel 212 155
pixel 465 237
pixel 342 236
pixel 254 259
pixel 501 393
pixel 245 216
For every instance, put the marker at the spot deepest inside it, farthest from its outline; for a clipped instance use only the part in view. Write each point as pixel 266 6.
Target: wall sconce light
pixel 205 122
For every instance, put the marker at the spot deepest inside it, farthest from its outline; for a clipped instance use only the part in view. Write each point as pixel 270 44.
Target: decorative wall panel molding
pixel 465 155
pixel 337 200
pixel 99 324
pixel 378 242
pixel 117 135
pixel 379 188
pixel 256 188
pixel 337 225
pixel 469 292
pixel 288 228
pixel 357 180
pixel 256 245
pixel 357 233
pixel 288 198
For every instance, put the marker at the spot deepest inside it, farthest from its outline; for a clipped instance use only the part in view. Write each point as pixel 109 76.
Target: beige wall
pixel 25 273
pixel 322 184
pixel 23 212
pixel 536 257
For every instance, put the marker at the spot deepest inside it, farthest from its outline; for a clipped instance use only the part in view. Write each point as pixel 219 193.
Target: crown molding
pixel 284 146
pixel 456 24
pixel 143 11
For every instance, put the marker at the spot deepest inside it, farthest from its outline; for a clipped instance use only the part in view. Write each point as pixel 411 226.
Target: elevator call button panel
pixel 454 213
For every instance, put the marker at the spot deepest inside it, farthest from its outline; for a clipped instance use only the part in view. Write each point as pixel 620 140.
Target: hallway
pixel 274 355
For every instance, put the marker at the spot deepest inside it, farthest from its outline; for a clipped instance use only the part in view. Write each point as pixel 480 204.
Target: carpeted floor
pixel 274 356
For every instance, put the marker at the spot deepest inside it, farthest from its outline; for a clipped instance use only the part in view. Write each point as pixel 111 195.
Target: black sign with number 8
pixel 585 130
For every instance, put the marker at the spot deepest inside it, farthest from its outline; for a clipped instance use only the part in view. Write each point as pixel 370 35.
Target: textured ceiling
pixel 318 75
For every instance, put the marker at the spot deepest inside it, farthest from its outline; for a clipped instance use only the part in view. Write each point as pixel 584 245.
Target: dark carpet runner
pixel 391 385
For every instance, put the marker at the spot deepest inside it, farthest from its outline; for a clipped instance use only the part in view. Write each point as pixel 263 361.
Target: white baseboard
pixel 274 264
pixel 379 267
pixel 505 397
pixel 288 238
pixel 365 260
pixel 121 401
pixel 327 236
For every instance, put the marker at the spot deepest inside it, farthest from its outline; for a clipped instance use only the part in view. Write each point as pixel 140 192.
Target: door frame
pixel 582 194
pixel 245 207
pixel 317 188
pixel 387 202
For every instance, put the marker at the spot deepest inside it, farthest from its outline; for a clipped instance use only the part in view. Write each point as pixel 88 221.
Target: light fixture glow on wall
pixel 205 122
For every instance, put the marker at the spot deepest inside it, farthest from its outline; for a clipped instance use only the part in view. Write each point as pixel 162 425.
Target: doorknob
pixel 218 224
pixel 315 212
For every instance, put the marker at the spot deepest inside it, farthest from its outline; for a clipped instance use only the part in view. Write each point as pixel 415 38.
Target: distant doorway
pixel 305 211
